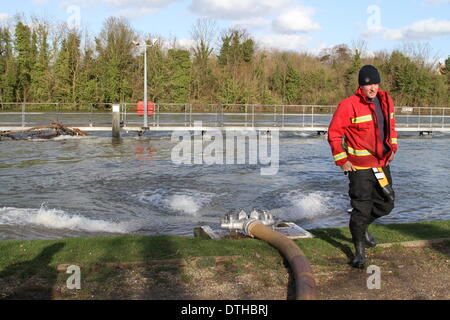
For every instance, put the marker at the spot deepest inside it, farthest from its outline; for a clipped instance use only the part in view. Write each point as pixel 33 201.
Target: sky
pixel 306 25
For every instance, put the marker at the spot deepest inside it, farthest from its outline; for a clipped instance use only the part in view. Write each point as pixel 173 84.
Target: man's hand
pixel 391 158
pixel 348 166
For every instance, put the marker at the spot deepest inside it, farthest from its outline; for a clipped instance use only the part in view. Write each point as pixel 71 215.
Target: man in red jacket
pixel 362 136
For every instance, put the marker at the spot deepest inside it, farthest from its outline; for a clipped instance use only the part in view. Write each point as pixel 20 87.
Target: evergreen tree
pixel 405 78
pixel 67 69
pixel 351 75
pixel 277 81
pixel 224 51
pixel 447 70
pixel 62 74
pixel 10 81
pixel 4 43
pixel 158 72
pixel 235 82
pixel 115 48
pixel 248 50
pixel 180 75
pixel 292 85
pixel 8 72
pixel 236 49
pixel 40 79
pixel 88 79
pixel 25 60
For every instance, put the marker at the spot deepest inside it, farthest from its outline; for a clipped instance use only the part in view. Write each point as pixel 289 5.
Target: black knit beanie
pixel 369 75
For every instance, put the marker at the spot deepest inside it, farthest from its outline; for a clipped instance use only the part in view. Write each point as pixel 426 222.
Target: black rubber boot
pixel 360 256
pixel 370 240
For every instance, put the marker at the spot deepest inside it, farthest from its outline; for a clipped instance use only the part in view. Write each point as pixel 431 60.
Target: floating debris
pixel 45 132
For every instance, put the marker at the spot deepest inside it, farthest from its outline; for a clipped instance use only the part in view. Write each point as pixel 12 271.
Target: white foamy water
pixel 302 134
pixel 58 219
pixel 308 206
pixel 66 137
pixel 184 201
pixel 63 138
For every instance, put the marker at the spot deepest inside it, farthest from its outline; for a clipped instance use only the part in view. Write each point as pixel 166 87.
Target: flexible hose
pixel 305 285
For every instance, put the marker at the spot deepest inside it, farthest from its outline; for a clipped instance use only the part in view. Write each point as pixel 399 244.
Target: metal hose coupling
pixel 249 225
pixel 241 220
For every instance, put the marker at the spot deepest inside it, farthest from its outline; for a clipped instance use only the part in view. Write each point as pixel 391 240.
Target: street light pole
pixel 145 89
pixel 137 44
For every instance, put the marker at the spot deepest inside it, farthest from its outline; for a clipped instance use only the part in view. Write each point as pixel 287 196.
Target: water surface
pixel 93 186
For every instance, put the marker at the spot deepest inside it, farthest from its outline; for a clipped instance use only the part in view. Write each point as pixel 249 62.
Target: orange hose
pixel 305 285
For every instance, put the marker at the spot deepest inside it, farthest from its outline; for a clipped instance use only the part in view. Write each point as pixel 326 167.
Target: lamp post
pixel 137 44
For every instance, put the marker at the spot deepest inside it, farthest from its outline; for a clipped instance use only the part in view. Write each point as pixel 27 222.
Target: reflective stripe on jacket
pixel 353 132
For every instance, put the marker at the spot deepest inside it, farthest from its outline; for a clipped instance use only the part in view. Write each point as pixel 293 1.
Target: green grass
pixel 29 256
pixel 28 268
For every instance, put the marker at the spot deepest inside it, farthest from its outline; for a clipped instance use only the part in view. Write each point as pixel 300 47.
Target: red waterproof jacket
pixel 354 135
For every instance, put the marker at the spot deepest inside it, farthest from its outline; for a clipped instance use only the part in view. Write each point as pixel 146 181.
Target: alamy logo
pixel 74 20
pixel 374 19
pixel 229 147
pixel 74 281
pixel 374 281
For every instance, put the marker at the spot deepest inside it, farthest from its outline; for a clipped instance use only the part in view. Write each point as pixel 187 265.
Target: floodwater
pixel 93 186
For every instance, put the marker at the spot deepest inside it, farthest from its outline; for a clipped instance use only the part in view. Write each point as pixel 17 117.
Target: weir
pixel 182 117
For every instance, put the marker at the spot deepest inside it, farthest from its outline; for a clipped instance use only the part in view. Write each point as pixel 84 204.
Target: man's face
pixel 370 90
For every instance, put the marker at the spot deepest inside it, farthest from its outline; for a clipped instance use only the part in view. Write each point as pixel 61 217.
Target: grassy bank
pixel 28 268
pixel 327 242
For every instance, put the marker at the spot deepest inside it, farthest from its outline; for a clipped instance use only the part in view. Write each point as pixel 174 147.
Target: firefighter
pixel 363 142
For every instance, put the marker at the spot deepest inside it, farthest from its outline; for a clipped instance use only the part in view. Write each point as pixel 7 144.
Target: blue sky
pixel 285 24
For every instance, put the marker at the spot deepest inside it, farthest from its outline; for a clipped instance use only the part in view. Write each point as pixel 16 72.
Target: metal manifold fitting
pixel 241 221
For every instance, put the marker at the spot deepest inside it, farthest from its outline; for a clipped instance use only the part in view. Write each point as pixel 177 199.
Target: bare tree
pixel 203 33
pixel 360 46
pixel 422 54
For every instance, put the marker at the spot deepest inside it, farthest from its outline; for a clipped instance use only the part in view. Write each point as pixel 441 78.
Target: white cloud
pixel 289 42
pixel 130 8
pixel 275 16
pixel 137 3
pixel 82 3
pixel 298 19
pixel 40 2
pixel 420 30
pixel 238 9
pixel 184 44
pixel 436 2
pixel 252 23
pixel 371 32
pixel 135 13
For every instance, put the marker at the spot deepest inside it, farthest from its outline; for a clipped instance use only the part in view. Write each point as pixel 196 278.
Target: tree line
pixel 38 64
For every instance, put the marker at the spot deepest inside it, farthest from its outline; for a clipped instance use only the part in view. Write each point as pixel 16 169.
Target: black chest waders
pixel 372 197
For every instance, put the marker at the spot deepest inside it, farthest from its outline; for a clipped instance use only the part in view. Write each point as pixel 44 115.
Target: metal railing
pixel 215 115
pixel 223 115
